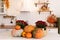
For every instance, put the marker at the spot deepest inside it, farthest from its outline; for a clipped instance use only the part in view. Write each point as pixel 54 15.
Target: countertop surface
pixel 52 34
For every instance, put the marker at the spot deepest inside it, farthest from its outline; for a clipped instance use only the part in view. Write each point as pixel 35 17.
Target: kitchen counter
pixel 52 34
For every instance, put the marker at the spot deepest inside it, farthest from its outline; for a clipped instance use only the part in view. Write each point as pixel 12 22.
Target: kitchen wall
pixel 32 15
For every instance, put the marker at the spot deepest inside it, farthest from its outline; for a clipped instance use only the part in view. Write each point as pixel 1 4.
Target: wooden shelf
pixel 45 3
pixel 42 3
pixel 44 11
pixel 7 27
pixel 7 16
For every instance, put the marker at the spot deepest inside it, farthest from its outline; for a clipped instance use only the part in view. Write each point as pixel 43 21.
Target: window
pixel 1 6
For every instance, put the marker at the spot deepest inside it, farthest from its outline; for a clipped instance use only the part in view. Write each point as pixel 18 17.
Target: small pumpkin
pixel 51 19
pixel 23 34
pixel 29 28
pixel 16 33
pixel 28 35
pixel 17 27
pixel 38 33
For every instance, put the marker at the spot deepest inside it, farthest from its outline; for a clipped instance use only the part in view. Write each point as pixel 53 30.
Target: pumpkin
pixel 16 33
pixel 17 27
pixel 23 34
pixel 29 28
pixel 44 8
pixel 52 19
pixel 28 35
pixel 38 33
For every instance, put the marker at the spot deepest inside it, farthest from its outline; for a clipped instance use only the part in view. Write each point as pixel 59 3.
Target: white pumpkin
pixel 16 33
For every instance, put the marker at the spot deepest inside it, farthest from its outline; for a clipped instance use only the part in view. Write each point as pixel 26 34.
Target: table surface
pixel 52 34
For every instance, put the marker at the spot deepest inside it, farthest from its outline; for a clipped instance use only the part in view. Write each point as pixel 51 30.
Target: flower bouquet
pixel 22 29
pixel 41 24
pixel 21 23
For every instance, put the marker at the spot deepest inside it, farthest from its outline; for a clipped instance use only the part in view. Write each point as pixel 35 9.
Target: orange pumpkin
pixel 17 27
pixel 28 35
pixel 29 28
pixel 52 18
pixel 38 33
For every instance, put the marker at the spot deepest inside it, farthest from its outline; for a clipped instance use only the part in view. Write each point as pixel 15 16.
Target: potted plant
pixel 42 25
